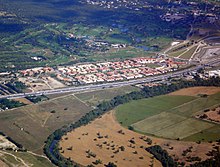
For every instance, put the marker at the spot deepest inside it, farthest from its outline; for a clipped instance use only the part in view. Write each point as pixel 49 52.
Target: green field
pixel 172 126
pixel 129 52
pixel 197 106
pixel 129 113
pixel 95 97
pixel 210 134
pixel 189 53
pixel 171 117
pixel 183 51
pixel 178 47
pixel 177 53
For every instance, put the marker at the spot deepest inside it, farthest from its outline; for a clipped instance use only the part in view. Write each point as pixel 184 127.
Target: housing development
pixel 108 71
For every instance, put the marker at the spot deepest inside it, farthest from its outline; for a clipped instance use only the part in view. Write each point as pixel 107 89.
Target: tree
pixel 111 164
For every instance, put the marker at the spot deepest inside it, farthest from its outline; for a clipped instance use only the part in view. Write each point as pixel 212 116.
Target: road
pixel 82 88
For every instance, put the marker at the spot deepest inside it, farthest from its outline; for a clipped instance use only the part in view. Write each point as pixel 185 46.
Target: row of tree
pixel 51 148
pixel 36 99
pixel 17 86
pixel 162 155
pixel 8 104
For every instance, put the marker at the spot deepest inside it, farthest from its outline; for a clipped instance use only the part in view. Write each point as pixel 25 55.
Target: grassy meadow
pixel 95 97
pixel 171 116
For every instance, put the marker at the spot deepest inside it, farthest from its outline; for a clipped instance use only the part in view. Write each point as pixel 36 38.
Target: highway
pixel 82 88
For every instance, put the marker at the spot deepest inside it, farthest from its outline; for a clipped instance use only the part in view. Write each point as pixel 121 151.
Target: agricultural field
pixel 129 114
pixel 184 50
pixel 95 97
pixel 177 53
pixel 171 126
pixel 121 54
pixel 173 116
pixel 189 53
pixel 32 124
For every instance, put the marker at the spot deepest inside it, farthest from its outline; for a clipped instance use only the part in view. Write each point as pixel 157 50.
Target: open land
pixel 24 100
pixel 128 114
pixel 172 116
pixel 195 91
pixel 106 148
pixel 95 97
pixel 37 121
pixel 77 143
pixel 43 83
pixel 212 115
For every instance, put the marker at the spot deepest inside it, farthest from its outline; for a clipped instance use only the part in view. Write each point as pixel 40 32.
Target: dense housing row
pixel 109 71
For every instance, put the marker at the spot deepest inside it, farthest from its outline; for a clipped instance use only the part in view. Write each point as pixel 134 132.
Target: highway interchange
pixel 82 88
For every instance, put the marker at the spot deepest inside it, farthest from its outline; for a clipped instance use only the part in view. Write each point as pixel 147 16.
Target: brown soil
pixel 85 138
pixel 24 100
pixel 2 164
pixel 54 83
pixel 37 86
pixel 194 91
pixel 212 115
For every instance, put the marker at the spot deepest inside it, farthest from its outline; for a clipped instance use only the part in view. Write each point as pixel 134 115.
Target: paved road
pixel 109 85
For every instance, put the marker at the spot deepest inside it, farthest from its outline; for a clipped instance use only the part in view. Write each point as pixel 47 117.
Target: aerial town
pixel 91 73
